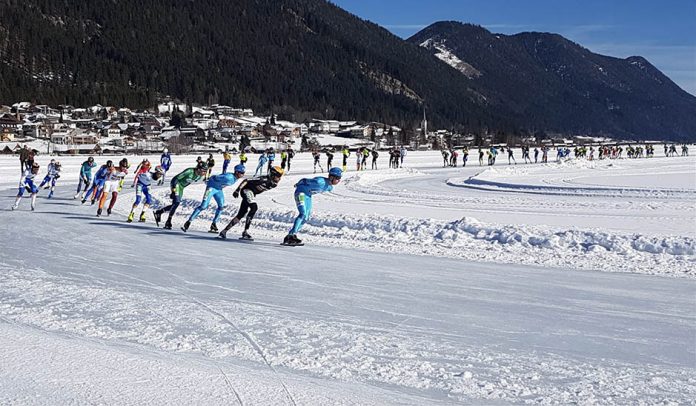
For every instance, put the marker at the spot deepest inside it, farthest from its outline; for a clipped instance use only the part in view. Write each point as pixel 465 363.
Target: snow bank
pixel 471 239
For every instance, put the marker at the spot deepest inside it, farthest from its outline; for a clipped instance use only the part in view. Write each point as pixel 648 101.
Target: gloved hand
pixel 235 194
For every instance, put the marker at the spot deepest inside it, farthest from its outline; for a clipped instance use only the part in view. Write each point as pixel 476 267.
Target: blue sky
pixel 662 31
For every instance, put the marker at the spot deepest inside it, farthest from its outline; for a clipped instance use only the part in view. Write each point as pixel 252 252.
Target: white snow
pixel 447 56
pixel 552 284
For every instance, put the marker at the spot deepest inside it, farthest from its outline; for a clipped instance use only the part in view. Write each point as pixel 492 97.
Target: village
pixel 185 128
pixel 182 128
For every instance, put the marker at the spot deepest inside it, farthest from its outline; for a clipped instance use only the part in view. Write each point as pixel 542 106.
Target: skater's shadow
pixel 65 214
pixel 235 240
pixel 80 217
pixel 197 236
pixel 62 198
pixel 149 229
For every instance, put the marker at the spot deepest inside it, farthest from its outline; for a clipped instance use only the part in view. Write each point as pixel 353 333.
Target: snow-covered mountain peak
pixel 446 55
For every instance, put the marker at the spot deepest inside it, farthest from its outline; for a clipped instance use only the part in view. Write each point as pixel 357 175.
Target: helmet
pixel 53 161
pixel 109 164
pixel 123 163
pixel 202 166
pixel 159 169
pixel 276 171
pixel 57 164
pixel 90 159
pixel 336 172
pixel 240 168
pixel 165 151
pixel 35 165
pixel 145 160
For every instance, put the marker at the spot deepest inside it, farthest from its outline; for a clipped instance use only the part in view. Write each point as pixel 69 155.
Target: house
pixel 71 140
pixel 45 110
pixel 199 114
pixel 150 127
pixel 66 109
pixel 228 134
pixel 228 123
pixel 125 113
pixel 358 131
pixel 192 132
pixel 62 136
pixel 324 126
pixel 222 110
pixel 21 107
pixel 9 126
pixel 84 138
pixel 250 131
pixel 83 123
pixel 169 132
pixel 113 131
pixel 35 129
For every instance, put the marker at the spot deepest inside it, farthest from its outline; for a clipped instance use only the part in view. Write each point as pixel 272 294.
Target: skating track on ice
pixel 420 285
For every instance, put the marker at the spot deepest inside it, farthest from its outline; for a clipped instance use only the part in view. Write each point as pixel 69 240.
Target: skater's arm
pixel 241 185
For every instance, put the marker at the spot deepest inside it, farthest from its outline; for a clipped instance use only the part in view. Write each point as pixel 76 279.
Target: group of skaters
pixel 267 160
pixel 671 150
pixel 362 154
pixel 109 180
pixel 27 182
pixel 450 157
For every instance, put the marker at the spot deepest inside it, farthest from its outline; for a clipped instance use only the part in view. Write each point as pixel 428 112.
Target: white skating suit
pixel 114 179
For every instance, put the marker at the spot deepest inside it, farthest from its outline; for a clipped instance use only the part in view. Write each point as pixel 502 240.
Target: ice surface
pixel 413 288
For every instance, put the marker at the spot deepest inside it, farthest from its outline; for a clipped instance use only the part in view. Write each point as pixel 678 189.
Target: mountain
pixel 557 85
pixel 299 58
pixel 309 58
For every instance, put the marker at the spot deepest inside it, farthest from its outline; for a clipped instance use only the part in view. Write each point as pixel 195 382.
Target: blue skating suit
pixel 98 184
pixel 262 161
pixel 304 189
pixel 166 161
pixel 213 190
pixel 27 183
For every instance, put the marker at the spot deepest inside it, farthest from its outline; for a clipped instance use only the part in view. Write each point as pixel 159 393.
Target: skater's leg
pixel 219 197
pixel 304 207
pixel 253 207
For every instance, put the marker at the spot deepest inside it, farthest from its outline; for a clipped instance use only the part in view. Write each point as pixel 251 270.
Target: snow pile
pixel 573 240
pixel 472 239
